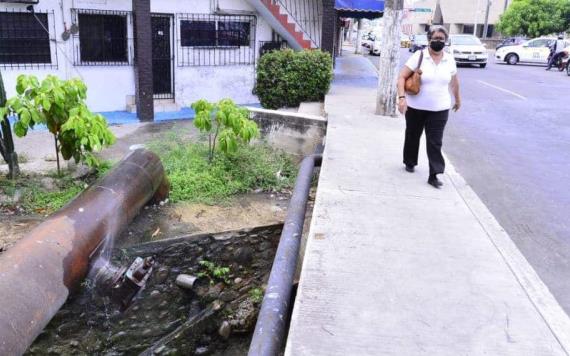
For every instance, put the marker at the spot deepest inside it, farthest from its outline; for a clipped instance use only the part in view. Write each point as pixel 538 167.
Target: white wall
pixel 215 83
pixel 109 86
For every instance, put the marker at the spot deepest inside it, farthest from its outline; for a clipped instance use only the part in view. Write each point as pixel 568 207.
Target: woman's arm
pixel 455 90
pixel 404 74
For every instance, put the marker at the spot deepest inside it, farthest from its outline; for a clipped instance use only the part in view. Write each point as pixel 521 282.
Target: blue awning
pixel 359 5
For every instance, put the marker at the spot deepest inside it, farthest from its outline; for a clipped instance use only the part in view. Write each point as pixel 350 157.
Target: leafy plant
pixel 6 141
pixel 534 18
pixel 224 123
pixel 60 104
pixel 214 272
pixel 256 295
pixel 287 78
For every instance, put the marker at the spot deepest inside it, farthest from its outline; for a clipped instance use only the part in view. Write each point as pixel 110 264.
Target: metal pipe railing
pixel 308 16
pixel 39 272
pixel 273 315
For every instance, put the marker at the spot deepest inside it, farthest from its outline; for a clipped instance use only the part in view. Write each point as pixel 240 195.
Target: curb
pixel 538 293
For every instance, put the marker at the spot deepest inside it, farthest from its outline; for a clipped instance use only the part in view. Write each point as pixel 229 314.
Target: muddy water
pixel 166 319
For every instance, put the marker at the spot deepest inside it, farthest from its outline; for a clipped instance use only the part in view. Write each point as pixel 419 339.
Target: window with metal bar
pixel 215 40
pixel 233 33
pixel 198 33
pixel 24 38
pixel 103 38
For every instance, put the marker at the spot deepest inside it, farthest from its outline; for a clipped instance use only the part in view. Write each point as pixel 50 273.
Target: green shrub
pixel 287 78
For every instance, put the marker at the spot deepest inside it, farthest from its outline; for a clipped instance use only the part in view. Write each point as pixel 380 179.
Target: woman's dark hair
pixel 437 28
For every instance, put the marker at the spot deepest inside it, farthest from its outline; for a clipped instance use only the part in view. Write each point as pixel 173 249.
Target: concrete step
pixel 160 105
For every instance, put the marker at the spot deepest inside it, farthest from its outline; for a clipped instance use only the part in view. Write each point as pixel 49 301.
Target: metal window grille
pixel 27 40
pixel 268 46
pixel 215 40
pixel 104 38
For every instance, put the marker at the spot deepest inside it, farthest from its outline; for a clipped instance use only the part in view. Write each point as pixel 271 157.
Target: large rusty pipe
pixel 38 273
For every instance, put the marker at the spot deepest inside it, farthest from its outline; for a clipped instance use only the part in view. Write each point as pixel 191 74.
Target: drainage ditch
pixel 174 314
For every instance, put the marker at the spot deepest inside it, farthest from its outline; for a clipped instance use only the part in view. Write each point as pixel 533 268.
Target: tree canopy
pixel 534 18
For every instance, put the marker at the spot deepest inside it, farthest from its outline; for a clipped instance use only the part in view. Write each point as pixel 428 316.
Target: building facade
pixel 151 55
pixel 459 17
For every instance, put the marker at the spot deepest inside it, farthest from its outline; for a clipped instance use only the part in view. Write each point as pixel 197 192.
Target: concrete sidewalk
pixel 396 267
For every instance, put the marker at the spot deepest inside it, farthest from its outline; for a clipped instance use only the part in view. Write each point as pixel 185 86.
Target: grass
pixel 34 198
pixel 193 179
pixel 256 295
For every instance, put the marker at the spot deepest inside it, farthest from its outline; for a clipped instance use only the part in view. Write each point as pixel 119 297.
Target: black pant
pixel 554 58
pixel 434 124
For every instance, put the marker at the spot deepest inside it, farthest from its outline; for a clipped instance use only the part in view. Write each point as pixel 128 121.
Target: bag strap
pixel 421 60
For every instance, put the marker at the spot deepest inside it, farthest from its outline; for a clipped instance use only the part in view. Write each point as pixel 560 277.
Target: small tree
pixel 534 18
pixel 60 105
pixel 225 123
pixel 6 140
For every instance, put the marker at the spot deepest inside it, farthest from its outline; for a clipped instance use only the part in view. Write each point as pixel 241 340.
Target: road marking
pixel 502 89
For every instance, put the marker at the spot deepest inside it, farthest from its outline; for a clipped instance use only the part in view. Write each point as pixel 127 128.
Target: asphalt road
pixel 511 142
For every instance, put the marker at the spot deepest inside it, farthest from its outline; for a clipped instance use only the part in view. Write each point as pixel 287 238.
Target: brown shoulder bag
pixel 413 82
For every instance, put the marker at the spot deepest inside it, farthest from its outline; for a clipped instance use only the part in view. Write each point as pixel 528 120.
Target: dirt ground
pixel 158 222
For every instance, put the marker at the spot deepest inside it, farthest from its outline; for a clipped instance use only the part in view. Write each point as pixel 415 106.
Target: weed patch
pixel 32 196
pixel 249 168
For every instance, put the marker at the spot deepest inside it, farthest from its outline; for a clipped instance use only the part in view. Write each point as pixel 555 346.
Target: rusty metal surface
pixel 38 273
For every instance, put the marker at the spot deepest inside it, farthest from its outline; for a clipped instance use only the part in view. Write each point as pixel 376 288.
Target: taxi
pixel 533 51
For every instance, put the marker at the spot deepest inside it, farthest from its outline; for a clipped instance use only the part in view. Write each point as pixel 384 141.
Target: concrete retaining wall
pixel 297 134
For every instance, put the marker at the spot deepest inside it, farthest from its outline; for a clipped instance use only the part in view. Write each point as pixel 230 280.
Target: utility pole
pixel 389 58
pixel 486 27
pixel 476 19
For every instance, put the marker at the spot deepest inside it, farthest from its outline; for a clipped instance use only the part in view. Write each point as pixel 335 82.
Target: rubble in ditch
pixel 214 314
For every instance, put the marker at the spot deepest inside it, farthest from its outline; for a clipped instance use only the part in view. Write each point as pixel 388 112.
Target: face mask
pixel 437 45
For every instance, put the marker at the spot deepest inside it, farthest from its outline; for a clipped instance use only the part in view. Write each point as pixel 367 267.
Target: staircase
pixel 297 21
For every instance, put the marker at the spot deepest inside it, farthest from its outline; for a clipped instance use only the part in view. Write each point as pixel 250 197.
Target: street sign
pixel 421 9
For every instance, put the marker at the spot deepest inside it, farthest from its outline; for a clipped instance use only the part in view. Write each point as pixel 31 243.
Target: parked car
pixel 419 42
pixel 375 48
pixel 368 39
pixel 511 41
pixel 405 41
pixel 533 51
pixel 467 49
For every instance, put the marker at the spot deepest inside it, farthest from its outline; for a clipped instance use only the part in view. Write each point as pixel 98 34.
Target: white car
pixel 375 47
pixel 367 40
pixel 533 51
pixel 467 49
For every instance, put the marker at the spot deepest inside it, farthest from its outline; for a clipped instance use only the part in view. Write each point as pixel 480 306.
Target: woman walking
pixel 429 109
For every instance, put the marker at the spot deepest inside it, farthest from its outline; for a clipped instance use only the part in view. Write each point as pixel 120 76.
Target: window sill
pixel 215 47
pixel 103 64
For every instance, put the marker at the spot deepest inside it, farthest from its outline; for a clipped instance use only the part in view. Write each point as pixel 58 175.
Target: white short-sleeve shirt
pixel 434 90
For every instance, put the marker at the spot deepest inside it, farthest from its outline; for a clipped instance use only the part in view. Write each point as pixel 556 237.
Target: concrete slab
pixel 311 108
pixel 396 267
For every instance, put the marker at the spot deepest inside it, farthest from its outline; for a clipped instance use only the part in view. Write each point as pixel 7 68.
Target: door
pixel 162 60
pixel 537 51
